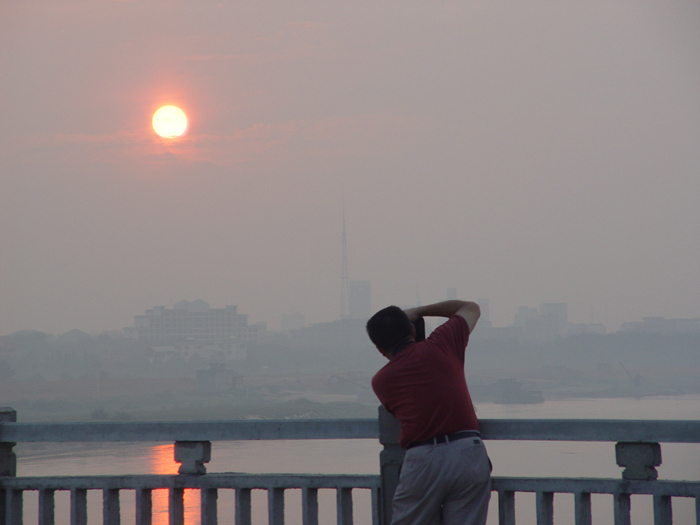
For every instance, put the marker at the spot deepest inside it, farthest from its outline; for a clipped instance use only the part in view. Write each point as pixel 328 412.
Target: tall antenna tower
pixel 344 306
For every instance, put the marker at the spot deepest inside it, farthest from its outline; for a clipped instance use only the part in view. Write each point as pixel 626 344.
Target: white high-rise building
pixel 194 321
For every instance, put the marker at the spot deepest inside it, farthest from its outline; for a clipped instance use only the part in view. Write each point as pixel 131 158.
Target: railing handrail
pixel 226 430
pixel 658 430
pixel 667 431
pixel 211 480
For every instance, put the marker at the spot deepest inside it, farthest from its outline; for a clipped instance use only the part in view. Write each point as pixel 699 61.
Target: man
pixel 445 476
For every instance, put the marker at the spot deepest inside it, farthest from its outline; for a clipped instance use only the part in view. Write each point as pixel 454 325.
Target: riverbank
pixel 312 396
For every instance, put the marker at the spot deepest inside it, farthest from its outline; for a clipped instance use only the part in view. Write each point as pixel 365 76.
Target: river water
pixel 680 462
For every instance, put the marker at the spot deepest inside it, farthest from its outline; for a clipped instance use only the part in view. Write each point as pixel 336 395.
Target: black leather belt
pixel 446 438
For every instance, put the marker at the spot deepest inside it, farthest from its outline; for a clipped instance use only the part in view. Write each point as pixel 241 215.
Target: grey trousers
pixel 445 484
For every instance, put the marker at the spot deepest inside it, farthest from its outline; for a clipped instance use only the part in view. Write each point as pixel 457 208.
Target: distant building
pixel 525 315
pixel 360 300
pixel 292 321
pixel 500 333
pixel 194 322
pixel 661 325
pixel 217 379
pixel 548 323
pixel 485 319
pixel 556 315
pixel 342 334
pixel 586 328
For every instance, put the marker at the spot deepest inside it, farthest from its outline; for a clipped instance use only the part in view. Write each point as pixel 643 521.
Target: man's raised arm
pixel 470 311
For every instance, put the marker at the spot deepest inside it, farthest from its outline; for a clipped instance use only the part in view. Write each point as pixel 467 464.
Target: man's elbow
pixel 473 309
pixel 471 313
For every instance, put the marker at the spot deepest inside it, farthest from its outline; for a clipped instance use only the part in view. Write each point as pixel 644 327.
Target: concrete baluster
pixel 376 516
pixel 545 508
pixel 176 506
pixel 622 509
pixel 506 507
pixel 243 513
pixel 390 460
pixel 78 507
pixel 344 506
pixel 144 507
pixel 309 506
pixel 275 506
pixel 14 506
pixel 46 507
pixel 209 507
pixel 663 514
pixel 582 508
pixel 110 507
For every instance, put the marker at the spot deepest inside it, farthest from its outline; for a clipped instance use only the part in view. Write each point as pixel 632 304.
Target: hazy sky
pixel 523 151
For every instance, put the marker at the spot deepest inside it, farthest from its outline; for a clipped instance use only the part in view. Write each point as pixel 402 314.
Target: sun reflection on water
pixel 162 461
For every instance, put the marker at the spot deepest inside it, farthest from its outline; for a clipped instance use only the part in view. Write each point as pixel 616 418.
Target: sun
pixel 170 122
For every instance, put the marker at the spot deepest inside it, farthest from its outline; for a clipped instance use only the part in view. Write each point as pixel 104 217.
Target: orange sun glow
pixel 170 122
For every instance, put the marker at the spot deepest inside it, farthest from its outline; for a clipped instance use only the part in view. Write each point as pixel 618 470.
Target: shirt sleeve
pixel 453 336
pixel 377 386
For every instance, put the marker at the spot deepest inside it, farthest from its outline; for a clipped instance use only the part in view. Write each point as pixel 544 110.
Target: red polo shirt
pixel 424 385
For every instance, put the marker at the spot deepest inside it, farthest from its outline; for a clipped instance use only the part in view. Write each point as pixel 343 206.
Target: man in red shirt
pixel 445 476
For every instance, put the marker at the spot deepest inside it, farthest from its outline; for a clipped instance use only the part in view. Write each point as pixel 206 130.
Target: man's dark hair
pixel 388 327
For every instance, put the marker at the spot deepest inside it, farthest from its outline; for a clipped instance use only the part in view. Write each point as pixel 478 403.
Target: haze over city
pixel 525 152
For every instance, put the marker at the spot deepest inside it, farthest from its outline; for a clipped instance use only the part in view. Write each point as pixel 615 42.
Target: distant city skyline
pixel 526 152
pixel 520 317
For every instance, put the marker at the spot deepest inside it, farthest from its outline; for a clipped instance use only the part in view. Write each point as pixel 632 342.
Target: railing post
pixel 192 455
pixel 639 458
pixel 390 460
pixel 8 459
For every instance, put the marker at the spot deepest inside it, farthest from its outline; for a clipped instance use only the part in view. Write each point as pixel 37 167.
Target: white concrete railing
pixel 637 449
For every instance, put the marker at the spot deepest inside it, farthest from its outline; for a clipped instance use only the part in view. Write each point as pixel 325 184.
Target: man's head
pixel 389 327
